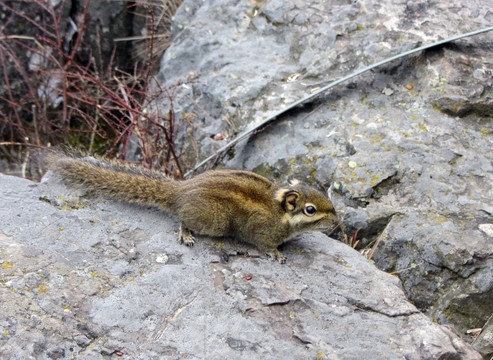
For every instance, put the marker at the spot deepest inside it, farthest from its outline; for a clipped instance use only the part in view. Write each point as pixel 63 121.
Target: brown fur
pixel 219 203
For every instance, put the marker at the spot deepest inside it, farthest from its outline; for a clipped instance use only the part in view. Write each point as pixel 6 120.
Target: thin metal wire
pixel 249 131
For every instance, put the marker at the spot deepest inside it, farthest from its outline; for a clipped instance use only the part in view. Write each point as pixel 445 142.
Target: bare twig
pixel 98 102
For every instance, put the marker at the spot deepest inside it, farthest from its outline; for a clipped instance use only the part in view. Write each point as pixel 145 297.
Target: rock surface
pixel 96 279
pixel 408 147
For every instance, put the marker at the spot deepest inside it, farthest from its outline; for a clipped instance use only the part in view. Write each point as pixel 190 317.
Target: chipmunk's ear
pixel 288 199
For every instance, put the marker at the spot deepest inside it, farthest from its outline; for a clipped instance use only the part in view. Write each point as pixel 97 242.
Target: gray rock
pixel 136 292
pixel 409 144
pixel 484 341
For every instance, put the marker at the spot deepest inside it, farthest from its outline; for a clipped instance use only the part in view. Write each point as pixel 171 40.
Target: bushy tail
pixel 111 179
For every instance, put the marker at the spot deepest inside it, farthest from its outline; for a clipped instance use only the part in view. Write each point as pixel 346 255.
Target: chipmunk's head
pixel 306 208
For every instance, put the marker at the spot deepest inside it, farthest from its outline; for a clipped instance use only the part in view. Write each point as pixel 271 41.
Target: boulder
pixel 93 278
pixel 406 147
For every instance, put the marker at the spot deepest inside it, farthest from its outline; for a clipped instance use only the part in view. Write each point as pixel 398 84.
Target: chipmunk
pixel 217 203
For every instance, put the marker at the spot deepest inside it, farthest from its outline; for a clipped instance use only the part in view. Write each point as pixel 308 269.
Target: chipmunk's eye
pixel 310 210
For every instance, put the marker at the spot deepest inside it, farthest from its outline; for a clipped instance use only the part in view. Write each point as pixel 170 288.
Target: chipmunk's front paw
pixel 186 236
pixel 276 255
